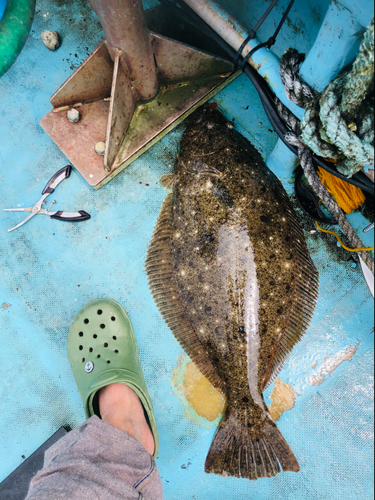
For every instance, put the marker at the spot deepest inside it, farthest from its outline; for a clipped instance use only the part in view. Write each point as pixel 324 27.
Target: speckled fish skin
pixel 246 284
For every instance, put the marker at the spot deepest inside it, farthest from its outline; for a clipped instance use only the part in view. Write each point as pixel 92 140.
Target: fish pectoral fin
pixel 252 452
pixel 168 180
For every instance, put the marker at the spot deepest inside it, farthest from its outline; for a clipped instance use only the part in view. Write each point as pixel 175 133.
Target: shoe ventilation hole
pixel 86 321
pixel 91 349
pixel 83 360
pixel 113 318
pixel 114 338
pixel 95 336
pixel 102 326
pixel 116 351
pixel 98 356
pixel 100 312
pixel 80 334
pixel 106 345
pixel 108 361
pixel 80 347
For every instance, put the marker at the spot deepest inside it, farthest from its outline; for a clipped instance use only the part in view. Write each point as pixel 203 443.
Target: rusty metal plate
pixel 120 113
pixel 91 81
pixel 152 118
pixel 106 94
pixel 150 122
pixel 77 140
pixel 176 61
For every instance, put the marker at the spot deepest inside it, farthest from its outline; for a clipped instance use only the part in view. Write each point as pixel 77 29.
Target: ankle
pixel 120 406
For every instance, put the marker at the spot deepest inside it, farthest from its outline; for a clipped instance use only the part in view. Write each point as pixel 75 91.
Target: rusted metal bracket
pixel 133 89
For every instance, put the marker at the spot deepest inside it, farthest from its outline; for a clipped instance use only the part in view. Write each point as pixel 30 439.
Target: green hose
pixel 14 29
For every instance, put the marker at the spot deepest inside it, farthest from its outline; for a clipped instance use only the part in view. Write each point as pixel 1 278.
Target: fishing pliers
pixel 49 189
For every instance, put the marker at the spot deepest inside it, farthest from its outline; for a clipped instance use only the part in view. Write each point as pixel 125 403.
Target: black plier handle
pixel 50 187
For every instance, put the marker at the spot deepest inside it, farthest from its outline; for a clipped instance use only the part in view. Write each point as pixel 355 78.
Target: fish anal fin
pixel 164 288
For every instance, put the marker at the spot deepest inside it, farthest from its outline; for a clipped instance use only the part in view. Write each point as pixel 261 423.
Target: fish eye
pixel 197 166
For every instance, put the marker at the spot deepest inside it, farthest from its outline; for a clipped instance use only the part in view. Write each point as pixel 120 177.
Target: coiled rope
pixel 301 94
pixel 339 123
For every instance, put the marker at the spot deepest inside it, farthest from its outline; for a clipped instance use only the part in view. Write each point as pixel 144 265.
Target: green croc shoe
pixel 102 350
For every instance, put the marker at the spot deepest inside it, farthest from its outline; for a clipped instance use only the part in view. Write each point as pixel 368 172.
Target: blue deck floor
pixel 50 269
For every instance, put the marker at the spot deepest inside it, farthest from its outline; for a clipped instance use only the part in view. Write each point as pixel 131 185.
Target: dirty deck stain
pixel 283 399
pixel 5 305
pixel 195 391
pixel 203 404
pixel 331 364
pixel 207 401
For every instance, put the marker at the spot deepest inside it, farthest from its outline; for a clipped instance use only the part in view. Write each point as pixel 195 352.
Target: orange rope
pixel 347 196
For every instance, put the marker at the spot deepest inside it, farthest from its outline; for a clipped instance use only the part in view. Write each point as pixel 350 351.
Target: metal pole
pixel 264 60
pixel 223 23
pixel 126 68
pixel 125 29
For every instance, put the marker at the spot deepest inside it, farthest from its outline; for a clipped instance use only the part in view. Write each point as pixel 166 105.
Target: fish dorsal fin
pixel 304 299
pixel 163 285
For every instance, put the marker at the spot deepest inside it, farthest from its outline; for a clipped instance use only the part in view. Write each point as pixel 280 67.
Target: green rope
pixel 357 152
pixel 339 123
pixel 359 79
pixel 313 133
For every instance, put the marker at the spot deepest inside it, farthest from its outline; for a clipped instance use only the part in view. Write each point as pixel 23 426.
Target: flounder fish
pixel 230 272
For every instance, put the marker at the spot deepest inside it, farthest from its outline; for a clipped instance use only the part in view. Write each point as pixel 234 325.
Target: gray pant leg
pixel 97 461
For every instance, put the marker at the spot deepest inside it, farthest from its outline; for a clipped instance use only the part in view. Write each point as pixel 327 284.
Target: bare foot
pixel 120 406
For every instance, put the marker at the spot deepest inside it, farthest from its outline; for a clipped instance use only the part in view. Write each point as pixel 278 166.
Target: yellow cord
pixel 341 243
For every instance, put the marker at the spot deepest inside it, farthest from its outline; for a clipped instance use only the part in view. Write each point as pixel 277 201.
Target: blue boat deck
pixel 50 269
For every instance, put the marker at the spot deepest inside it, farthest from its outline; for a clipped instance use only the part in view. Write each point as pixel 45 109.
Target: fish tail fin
pixel 251 452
